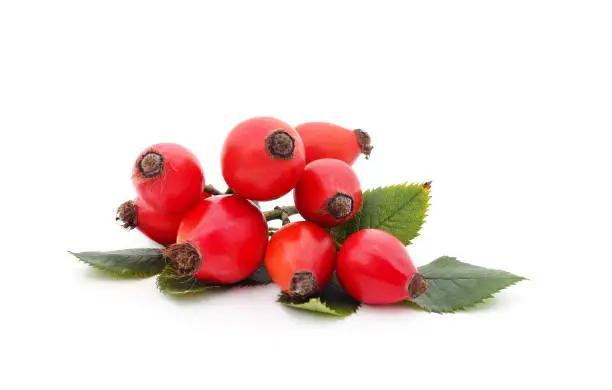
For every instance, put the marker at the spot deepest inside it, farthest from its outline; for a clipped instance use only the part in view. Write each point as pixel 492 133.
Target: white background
pixel 506 106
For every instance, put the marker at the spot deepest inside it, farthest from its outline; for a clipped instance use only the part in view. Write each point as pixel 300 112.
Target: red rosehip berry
pixel 326 140
pixel 168 177
pixel 300 258
pixel 159 227
pixel 328 193
pixel 375 268
pixel 222 239
pixel 262 158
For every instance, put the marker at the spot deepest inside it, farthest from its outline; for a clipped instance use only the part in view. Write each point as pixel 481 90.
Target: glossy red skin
pixel 374 267
pixel 250 170
pixel 321 180
pixel 178 187
pixel 326 140
pixel 159 227
pixel 231 235
pixel 300 246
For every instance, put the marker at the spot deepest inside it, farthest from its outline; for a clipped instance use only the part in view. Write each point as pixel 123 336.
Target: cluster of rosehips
pixel 224 238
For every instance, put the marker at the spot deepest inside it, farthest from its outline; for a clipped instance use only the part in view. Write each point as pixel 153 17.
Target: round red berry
pixel 222 239
pixel 326 140
pixel 328 193
pixel 168 177
pixel 300 258
pixel 375 268
pixel 262 158
pixel 159 227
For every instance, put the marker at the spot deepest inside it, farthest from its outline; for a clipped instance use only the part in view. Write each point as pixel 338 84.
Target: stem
pixel 278 212
pixel 284 215
pixel 212 190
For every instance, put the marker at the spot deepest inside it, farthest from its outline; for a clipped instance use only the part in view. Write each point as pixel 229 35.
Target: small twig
pixel 279 212
pixel 284 215
pixel 212 190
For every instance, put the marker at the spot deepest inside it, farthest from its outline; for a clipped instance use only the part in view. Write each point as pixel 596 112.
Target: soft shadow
pixel 196 298
pixel 392 309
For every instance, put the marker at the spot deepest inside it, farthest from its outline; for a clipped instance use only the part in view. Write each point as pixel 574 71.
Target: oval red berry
pixel 375 268
pixel 326 140
pixel 223 239
pixel 300 258
pixel 262 158
pixel 328 193
pixel 168 177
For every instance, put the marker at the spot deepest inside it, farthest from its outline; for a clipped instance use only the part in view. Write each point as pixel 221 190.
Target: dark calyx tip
pixel 303 285
pixel 365 141
pixel 417 286
pixel 127 215
pixel 151 164
pixel 427 185
pixel 185 257
pixel 340 206
pixel 280 144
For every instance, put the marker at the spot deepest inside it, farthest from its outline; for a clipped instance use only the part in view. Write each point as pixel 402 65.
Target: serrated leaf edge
pixel 514 279
pixel 427 204
pixel 318 301
pixel 426 190
pixel 124 274
pixel 467 307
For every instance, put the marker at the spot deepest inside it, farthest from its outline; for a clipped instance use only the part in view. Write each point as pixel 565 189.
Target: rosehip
pixel 300 258
pixel 328 193
pixel 374 267
pixel 222 239
pixel 168 177
pixel 159 227
pixel 262 158
pixel 326 140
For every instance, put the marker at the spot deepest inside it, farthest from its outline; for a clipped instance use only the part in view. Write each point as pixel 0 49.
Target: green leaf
pixel 454 285
pixel 133 263
pixel 399 210
pixel 170 282
pixel 333 300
